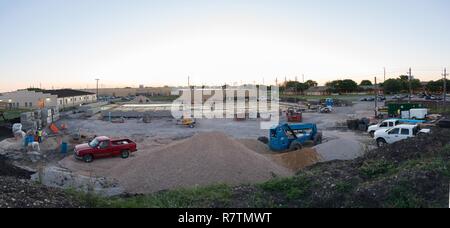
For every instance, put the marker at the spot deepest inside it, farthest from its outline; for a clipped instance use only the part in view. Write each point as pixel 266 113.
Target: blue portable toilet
pixel 329 102
pixel 64 148
pixel 28 140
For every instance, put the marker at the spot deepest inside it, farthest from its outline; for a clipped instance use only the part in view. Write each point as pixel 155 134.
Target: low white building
pixel 64 98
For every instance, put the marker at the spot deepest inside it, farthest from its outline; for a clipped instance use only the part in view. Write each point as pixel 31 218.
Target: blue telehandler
pixel 292 137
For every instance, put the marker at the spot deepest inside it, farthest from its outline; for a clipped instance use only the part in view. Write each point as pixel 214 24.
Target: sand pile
pixel 256 146
pixel 204 159
pixel 298 160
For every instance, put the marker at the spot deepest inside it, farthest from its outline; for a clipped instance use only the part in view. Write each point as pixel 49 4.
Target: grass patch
pixel 374 169
pixel 443 110
pixel 402 196
pixel 290 188
pixel 184 198
pixel 344 187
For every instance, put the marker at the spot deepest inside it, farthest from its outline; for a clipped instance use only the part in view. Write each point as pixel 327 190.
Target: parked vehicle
pixel 390 123
pixel 294 116
pixel 291 137
pixel 387 124
pixel 398 133
pixel 103 147
pixel 418 113
pixel 395 109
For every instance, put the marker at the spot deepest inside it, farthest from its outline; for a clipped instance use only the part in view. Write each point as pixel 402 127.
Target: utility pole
pixel 189 81
pixel 303 78
pixel 376 98
pixel 384 70
pixel 97 86
pixel 409 82
pixel 445 85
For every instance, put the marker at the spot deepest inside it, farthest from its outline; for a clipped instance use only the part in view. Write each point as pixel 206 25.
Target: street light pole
pixel 97 87
pixel 409 82
pixel 445 85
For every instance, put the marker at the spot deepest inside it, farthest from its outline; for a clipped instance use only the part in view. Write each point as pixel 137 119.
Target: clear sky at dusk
pixel 69 43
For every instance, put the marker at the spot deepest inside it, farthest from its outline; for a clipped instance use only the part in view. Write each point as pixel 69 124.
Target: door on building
pixel 41 103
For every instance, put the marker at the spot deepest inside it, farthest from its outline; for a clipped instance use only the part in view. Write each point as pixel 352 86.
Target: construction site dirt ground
pixel 254 162
pixel 164 130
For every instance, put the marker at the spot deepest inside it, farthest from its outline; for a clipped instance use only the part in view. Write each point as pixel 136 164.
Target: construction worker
pixel 39 135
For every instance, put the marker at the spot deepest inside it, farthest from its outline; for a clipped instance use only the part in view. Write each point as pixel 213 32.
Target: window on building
pixel 26 104
pixel 31 104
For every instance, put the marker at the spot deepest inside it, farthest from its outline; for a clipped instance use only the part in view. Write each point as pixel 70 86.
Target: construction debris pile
pixel 17 191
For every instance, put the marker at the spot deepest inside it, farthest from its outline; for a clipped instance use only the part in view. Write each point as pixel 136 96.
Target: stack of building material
pixel 37 115
pixel 46 116
pixel 55 115
pixel 28 121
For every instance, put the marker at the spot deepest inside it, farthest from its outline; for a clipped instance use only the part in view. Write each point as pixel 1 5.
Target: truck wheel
pixel 125 154
pixel 381 143
pixel 318 139
pixel 295 146
pixel 88 158
pixel 264 140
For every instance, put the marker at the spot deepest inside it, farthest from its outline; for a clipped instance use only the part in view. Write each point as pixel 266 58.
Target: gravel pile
pixel 204 159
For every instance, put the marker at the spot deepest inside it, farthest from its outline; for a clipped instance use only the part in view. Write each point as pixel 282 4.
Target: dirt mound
pixel 298 160
pixel 204 159
pixel 413 148
pixel 15 193
pixel 7 169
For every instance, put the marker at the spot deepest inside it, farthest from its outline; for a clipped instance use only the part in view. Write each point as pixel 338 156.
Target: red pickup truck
pixel 102 147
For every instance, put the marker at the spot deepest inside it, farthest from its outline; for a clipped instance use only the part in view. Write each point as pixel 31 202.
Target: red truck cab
pixel 103 147
pixel 294 116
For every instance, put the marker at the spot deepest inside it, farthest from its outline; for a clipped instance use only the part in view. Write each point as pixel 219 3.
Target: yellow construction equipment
pixel 189 122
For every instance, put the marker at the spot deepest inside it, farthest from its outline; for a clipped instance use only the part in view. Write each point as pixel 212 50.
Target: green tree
pixel 392 86
pixel 311 83
pixel 294 86
pixel 437 86
pixel 366 83
pixel 343 86
pixel 348 86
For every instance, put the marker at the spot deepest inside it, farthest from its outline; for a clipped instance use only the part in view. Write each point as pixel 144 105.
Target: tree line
pixel 390 86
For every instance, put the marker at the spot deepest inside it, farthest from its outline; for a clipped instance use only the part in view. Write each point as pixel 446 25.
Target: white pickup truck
pixel 387 124
pixel 398 133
